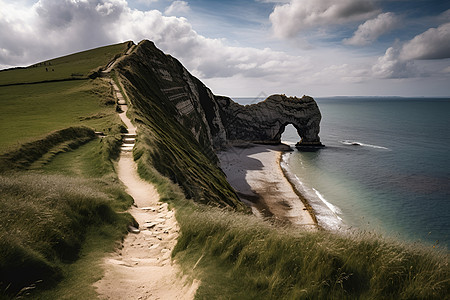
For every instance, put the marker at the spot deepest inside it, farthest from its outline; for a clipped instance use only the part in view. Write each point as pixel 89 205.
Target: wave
pixel 356 143
pixel 332 207
pixel 325 212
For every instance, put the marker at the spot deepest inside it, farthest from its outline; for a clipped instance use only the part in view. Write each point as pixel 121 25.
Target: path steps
pixel 128 142
pixel 143 268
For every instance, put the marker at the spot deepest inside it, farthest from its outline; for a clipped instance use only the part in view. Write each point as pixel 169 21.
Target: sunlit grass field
pixel 31 111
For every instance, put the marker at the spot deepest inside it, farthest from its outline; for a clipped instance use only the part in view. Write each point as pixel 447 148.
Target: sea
pixel 385 168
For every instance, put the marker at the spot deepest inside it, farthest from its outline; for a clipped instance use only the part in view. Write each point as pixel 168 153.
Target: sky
pixel 254 48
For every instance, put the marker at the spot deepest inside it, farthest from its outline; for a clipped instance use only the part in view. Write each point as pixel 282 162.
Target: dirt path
pixel 113 63
pixel 142 268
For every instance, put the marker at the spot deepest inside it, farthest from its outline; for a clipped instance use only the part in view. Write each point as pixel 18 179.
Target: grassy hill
pixel 75 66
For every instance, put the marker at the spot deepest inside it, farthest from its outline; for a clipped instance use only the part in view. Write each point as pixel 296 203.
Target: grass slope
pixel 75 66
pixel 164 143
pixel 43 221
pixel 246 258
pixel 31 111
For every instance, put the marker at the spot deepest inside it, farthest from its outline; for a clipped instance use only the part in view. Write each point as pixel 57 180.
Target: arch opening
pixel 289 134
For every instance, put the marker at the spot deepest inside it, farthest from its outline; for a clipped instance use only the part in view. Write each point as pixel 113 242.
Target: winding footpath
pixel 142 268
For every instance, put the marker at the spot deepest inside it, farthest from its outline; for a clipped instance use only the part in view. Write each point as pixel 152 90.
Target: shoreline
pixel 256 174
pixel 302 197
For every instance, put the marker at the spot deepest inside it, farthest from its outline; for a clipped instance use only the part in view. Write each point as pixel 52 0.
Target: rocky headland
pixel 189 125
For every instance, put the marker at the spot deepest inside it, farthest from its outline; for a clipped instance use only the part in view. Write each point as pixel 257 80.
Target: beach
pixel 255 173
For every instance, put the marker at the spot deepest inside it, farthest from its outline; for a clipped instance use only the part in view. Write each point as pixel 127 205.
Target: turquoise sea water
pixel 396 180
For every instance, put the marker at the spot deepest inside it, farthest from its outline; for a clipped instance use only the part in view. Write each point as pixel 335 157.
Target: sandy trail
pixel 142 268
pixel 255 173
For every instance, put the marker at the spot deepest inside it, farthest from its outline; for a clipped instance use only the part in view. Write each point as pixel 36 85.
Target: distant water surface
pixel 385 168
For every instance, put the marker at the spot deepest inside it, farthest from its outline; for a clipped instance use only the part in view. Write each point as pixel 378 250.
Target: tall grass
pixel 43 221
pixel 241 257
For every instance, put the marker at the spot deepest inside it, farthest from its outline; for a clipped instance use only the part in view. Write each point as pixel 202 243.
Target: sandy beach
pixel 255 173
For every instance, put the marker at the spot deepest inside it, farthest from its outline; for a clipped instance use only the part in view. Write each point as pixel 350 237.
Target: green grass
pixel 171 148
pixel 31 111
pixel 57 222
pixel 75 66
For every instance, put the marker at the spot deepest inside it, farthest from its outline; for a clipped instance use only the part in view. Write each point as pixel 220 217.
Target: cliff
pixel 184 123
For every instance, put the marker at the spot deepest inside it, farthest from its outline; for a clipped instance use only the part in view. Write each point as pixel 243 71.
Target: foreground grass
pixel 44 220
pixel 246 258
pixel 58 221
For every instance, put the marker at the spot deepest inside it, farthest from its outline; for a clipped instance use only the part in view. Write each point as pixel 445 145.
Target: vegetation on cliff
pixel 166 139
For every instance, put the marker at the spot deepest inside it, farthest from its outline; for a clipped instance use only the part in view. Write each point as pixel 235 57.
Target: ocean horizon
pixel 385 167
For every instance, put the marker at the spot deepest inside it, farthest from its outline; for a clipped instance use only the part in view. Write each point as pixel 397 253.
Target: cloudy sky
pixel 254 47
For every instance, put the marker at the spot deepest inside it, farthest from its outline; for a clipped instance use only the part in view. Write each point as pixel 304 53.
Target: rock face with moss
pixel 185 123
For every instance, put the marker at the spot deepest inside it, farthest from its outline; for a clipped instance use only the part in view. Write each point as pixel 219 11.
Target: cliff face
pixel 184 122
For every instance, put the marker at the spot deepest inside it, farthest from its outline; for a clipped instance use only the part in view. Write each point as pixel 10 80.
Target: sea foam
pixel 325 212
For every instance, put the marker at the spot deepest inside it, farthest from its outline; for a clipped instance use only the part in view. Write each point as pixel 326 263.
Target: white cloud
pixel 432 44
pixel 398 61
pixel 55 28
pixel 390 65
pixel 291 18
pixel 177 8
pixel 370 30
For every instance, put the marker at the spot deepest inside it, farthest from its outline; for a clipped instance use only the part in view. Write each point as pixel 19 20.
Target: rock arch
pixel 264 122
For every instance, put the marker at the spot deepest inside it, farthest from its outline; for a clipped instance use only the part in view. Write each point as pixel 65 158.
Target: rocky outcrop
pixel 264 122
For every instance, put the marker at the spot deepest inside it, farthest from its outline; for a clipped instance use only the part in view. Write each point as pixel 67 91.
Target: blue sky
pixel 255 47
